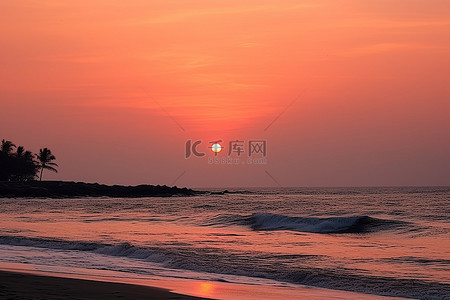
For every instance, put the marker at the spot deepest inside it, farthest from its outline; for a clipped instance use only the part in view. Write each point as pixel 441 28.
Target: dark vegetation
pixel 67 189
pixel 23 165
pixel 20 169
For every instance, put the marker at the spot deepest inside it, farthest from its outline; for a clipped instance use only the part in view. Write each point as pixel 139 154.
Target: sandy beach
pixel 18 285
pixel 25 281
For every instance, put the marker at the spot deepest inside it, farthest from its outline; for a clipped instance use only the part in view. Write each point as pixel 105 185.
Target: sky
pixel 344 93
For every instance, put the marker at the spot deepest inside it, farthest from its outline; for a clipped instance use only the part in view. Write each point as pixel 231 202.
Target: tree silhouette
pixel 21 164
pixel 25 165
pixel 20 152
pixel 46 158
pixel 7 147
pixel 6 160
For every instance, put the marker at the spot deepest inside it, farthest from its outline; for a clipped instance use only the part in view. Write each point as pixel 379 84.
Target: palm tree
pixel 7 146
pixel 6 160
pixel 20 152
pixel 26 166
pixel 45 158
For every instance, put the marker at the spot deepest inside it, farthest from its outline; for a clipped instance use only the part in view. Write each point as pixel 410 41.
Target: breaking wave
pixel 276 267
pixel 270 222
pixel 355 224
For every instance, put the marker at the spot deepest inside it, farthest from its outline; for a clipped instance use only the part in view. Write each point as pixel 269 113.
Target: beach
pixel 15 285
pixel 20 281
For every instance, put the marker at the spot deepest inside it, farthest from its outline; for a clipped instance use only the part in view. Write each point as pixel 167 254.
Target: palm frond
pixel 7 146
pixel 50 168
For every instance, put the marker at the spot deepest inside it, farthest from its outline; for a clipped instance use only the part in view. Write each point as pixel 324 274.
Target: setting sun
pixel 216 148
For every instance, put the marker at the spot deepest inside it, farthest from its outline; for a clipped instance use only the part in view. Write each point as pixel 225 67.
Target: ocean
pixel 390 241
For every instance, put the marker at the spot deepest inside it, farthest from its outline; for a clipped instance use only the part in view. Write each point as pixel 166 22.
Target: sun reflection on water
pixel 205 288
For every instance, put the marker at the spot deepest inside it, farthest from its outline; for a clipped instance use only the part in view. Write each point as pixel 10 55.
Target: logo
pixel 193 148
pixel 238 152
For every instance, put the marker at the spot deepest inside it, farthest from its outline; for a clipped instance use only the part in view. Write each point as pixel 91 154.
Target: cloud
pixel 180 60
pixel 251 45
pixel 76 59
pixel 390 47
pixel 189 14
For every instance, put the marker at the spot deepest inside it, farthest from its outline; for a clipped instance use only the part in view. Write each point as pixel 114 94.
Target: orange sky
pixel 106 85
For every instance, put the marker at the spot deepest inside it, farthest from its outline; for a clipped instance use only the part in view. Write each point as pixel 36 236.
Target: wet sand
pixel 15 285
pixel 25 281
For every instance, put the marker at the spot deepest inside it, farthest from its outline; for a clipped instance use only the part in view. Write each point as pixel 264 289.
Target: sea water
pixel 392 241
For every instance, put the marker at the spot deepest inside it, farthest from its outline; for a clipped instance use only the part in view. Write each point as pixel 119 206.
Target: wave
pixel 354 224
pixel 271 222
pixel 121 249
pixel 276 267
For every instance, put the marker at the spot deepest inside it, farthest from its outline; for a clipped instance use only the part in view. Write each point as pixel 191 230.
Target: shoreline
pixel 16 284
pixel 28 281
